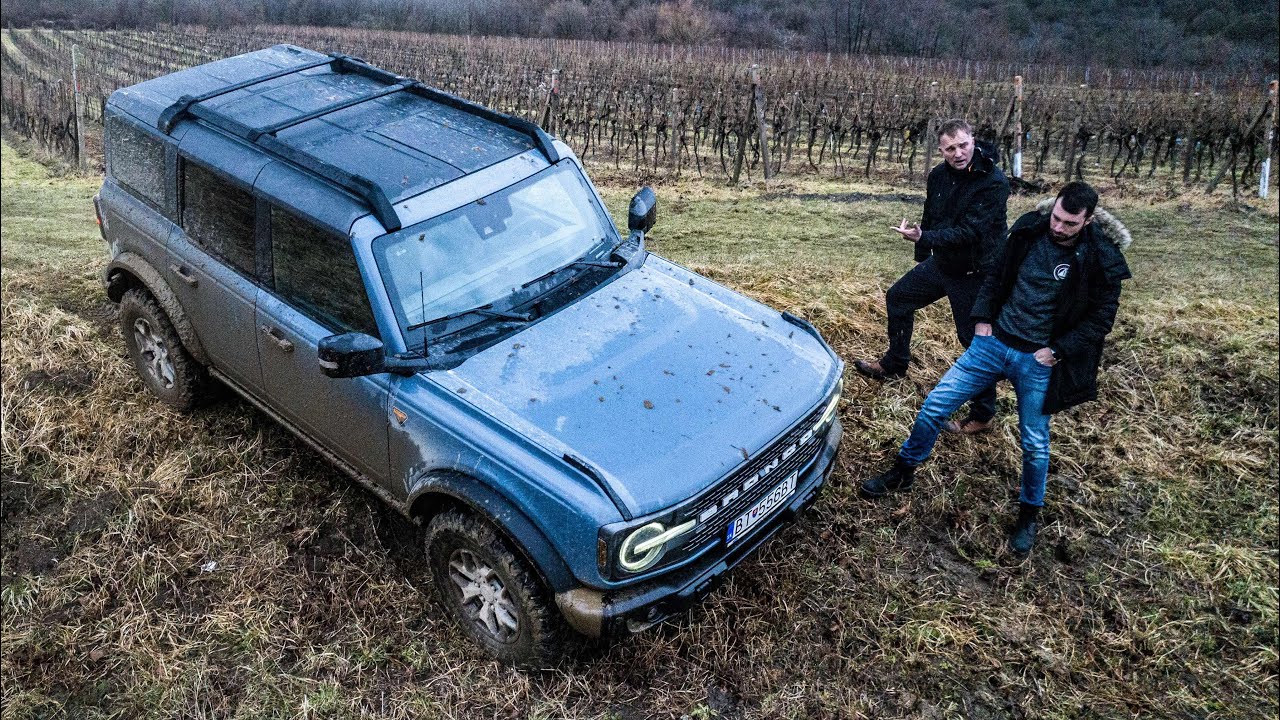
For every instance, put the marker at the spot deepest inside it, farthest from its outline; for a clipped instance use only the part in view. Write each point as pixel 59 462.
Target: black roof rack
pixel 363 187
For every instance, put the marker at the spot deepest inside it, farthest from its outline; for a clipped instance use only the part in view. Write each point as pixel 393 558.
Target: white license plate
pixel 763 509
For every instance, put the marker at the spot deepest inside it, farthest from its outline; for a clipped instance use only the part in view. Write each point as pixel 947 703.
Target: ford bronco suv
pixel 432 296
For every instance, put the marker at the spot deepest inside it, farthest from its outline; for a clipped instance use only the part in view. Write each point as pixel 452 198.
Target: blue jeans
pixel 985 362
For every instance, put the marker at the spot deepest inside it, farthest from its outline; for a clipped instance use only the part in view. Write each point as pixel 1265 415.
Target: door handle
pixel 276 336
pixel 184 274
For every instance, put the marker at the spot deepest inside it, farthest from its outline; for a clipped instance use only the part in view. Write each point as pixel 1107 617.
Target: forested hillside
pixel 1239 36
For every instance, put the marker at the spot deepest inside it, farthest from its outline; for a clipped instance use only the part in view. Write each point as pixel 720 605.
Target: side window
pixel 316 272
pixel 218 216
pixel 136 160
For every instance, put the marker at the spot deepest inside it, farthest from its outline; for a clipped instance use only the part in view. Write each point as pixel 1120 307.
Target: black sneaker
pixel 899 477
pixel 1024 532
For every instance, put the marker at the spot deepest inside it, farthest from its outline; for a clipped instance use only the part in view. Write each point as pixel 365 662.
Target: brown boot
pixel 968 426
pixel 874 370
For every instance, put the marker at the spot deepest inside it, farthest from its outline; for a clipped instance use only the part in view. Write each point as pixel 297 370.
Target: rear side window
pixel 136 160
pixel 218 216
pixel 316 272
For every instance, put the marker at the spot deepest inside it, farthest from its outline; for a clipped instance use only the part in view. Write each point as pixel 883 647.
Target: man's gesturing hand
pixel 1045 357
pixel 911 233
pixel 983 329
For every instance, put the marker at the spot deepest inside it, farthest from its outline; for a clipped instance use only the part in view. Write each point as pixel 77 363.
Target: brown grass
pixel 1152 593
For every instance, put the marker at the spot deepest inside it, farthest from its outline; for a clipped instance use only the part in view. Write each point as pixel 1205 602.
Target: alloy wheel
pixel 483 596
pixel 154 352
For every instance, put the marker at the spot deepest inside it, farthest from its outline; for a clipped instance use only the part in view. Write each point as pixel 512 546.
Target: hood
pixel 662 381
pixel 1108 225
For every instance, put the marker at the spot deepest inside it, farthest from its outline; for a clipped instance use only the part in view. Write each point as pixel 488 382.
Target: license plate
pixel 763 509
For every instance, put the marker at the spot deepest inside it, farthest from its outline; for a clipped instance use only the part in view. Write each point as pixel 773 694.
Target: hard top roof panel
pixel 405 143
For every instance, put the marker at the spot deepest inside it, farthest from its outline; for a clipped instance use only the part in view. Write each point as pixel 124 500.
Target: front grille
pixel 715 525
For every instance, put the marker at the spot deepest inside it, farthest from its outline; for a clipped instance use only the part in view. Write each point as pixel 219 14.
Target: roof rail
pixel 366 189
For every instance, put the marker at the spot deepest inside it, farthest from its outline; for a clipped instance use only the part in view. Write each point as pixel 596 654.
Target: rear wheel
pixel 164 365
pixel 490 593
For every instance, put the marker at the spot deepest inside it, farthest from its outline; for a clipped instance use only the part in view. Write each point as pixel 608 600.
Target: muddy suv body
pixel 432 295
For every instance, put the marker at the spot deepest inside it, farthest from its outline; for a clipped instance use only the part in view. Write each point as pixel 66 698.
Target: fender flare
pixel 117 282
pixel 437 487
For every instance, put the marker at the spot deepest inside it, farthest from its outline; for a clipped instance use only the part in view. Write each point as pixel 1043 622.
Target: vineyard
pixel 722 114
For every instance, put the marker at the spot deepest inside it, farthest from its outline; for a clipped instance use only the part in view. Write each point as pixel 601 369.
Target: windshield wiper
pixel 503 314
pixel 588 263
pixel 484 310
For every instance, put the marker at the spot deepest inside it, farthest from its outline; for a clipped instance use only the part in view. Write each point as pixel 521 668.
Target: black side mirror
pixel 351 355
pixel 643 212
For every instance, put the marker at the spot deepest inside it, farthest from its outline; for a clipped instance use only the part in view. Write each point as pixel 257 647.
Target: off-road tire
pixel 164 365
pixel 458 538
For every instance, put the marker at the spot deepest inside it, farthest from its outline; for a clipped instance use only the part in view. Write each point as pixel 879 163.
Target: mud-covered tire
pixel 164 365
pixel 490 593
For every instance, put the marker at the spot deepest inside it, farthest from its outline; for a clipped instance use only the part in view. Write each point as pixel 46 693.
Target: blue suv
pixel 431 295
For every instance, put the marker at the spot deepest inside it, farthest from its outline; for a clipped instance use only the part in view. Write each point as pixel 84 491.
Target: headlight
pixel 644 546
pixel 829 413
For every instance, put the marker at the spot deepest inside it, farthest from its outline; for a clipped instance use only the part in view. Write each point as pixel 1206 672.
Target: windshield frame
pixel 414 334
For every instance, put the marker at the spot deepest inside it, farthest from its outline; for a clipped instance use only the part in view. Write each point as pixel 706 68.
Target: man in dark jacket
pixel 1041 317
pixel 963 224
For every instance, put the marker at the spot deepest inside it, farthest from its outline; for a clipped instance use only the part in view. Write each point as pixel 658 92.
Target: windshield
pixel 487 249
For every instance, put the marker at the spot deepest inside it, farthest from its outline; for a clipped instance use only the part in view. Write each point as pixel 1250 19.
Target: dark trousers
pixel 924 285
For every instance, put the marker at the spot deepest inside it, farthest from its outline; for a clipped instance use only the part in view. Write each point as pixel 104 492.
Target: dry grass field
pixel 211 566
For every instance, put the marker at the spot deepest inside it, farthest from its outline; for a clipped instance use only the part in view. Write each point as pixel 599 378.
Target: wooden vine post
pixel 753 110
pixel 793 124
pixel 930 130
pixel 1188 139
pixel 1017 126
pixel 671 129
pixel 1264 178
pixel 1072 136
pixel 75 87
pixel 553 97
pixel 757 97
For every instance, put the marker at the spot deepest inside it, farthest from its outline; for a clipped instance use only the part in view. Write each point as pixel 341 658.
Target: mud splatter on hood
pixel 662 380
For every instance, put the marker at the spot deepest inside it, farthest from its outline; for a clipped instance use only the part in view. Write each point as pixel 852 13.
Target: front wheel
pixel 164 365
pixel 490 593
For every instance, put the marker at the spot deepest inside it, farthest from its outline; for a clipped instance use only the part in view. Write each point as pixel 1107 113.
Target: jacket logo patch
pixel 1060 272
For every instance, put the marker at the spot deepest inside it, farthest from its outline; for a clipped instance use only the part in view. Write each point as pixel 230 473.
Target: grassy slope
pixel 1153 591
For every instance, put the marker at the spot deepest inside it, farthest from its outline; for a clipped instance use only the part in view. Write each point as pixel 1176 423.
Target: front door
pixel 315 290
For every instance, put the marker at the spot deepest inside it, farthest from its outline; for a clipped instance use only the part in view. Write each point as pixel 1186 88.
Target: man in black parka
pixel 963 224
pixel 1040 321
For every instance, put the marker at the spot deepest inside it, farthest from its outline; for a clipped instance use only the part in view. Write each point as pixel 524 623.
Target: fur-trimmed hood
pixel 1107 224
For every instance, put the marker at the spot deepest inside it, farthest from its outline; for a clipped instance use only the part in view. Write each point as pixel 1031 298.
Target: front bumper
pixel 600 614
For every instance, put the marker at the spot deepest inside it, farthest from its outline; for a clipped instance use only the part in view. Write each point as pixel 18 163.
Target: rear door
pixel 315 290
pixel 212 268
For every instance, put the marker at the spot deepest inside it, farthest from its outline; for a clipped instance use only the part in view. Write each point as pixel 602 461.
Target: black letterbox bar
pixel 331 108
